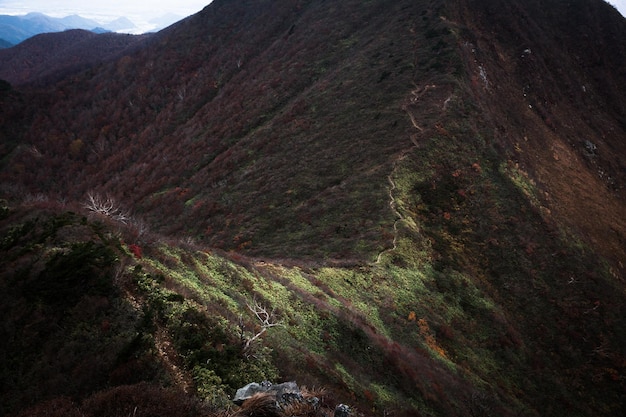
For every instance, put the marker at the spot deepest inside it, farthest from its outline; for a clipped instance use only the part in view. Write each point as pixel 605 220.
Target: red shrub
pixel 135 250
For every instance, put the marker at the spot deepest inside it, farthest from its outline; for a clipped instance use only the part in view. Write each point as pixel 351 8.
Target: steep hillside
pixel 550 83
pixel 267 125
pixel 45 58
pixel 418 206
pixel 87 329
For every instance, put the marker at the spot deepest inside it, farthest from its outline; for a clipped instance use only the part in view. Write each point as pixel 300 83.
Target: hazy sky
pixel 139 11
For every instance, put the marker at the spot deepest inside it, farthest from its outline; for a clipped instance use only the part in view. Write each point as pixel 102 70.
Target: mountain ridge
pixel 425 199
pixel 16 29
pixel 49 57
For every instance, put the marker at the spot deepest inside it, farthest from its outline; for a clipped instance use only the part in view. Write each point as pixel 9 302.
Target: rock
pixel 249 390
pixel 342 410
pixel 269 400
pixel 285 392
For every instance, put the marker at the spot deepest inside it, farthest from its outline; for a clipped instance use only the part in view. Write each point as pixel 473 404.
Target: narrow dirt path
pixel 171 361
pixel 412 105
pixel 393 207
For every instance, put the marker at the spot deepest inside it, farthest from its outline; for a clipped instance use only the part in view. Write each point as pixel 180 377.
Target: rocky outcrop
pixel 284 393
pixel 286 399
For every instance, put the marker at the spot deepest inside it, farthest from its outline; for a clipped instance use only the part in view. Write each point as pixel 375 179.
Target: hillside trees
pixel 254 104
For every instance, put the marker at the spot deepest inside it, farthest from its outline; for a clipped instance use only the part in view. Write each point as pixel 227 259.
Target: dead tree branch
pixel 106 206
pixel 267 320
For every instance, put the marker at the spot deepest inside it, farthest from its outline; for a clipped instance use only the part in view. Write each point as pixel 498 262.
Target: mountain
pixel 51 56
pixel 119 24
pixel 15 29
pixel 76 22
pixel 417 205
pixel 12 29
pixel 5 44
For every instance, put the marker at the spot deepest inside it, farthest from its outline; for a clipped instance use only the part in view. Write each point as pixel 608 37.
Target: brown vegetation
pixel 47 58
pixel 429 194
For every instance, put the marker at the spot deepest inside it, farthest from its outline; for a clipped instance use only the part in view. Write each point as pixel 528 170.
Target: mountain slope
pixel 217 112
pixel 428 196
pixel 216 99
pixel 49 57
pixel 556 108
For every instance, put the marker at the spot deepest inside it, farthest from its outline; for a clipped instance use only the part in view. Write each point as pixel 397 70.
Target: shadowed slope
pixel 550 81
pixel 255 126
pixel 49 57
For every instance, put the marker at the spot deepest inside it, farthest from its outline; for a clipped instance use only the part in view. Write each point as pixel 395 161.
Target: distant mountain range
pixel 15 29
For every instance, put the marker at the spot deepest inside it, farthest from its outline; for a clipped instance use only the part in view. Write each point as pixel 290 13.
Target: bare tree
pixel 106 206
pixel 265 317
